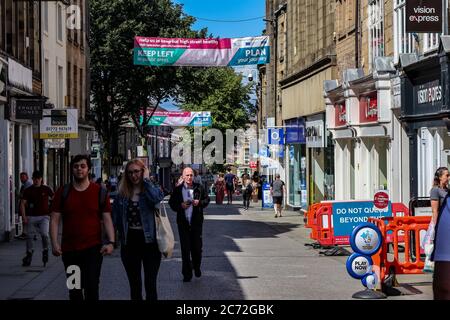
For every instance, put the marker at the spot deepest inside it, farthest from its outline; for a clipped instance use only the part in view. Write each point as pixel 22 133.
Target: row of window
pixel 403 42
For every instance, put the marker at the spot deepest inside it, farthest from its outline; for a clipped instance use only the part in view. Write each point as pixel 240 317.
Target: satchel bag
pixel 164 233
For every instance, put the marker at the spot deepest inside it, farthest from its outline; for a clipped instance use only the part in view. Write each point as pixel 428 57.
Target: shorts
pixel 278 200
pixel 230 187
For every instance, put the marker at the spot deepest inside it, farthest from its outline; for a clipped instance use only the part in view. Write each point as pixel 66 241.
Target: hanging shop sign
pixel 59 124
pixel 315 134
pixel 340 115
pixel 28 108
pixel 424 16
pixel 368 108
pixel 275 136
pixel 180 119
pixel 211 52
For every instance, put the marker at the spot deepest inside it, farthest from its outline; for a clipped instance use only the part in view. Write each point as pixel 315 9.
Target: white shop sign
pixel 315 134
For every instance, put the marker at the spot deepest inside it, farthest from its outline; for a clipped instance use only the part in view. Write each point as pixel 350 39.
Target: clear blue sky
pixel 227 10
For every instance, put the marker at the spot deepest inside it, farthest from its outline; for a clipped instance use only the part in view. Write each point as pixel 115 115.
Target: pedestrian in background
pixel 35 210
pixel 220 188
pixel 25 181
pixel 277 190
pixel 230 180
pixel 82 206
pixel 134 219
pixel 441 217
pixel 247 189
pixel 188 200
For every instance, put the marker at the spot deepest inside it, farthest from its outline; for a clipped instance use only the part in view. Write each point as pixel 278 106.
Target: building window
pixel 376 30
pixel 45 15
pixel 247 156
pixel 403 41
pixel 46 78
pixel 430 41
pixel 60 87
pixel 81 94
pixel 59 22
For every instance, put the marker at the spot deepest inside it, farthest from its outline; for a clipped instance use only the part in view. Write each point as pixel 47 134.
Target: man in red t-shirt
pixel 34 209
pixel 82 213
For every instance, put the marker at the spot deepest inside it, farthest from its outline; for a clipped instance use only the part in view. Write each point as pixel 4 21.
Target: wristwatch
pixel 110 242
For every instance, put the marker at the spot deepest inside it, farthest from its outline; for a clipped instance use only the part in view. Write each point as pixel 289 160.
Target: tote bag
pixel 164 233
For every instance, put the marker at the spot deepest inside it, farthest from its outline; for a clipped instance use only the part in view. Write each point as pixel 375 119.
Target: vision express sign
pixel 424 16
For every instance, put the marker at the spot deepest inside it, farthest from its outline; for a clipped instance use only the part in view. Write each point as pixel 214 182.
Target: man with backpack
pixel 82 206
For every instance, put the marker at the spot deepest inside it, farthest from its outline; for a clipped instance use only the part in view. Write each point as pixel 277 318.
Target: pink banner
pixel 180 43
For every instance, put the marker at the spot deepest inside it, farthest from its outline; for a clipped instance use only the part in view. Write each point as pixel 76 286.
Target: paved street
pixel 247 255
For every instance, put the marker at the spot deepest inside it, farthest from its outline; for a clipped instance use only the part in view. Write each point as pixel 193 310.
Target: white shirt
pixel 188 194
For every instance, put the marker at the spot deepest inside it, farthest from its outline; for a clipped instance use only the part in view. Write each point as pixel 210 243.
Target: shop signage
pixel 3 77
pixel 315 134
pixel 55 143
pixel 253 165
pixel 366 239
pixel 117 160
pixel 424 16
pixel 340 115
pixel 429 93
pixel 59 124
pixel 275 136
pixel 295 131
pixel 347 215
pixel 359 265
pixel 28 109
pixel 381 199
pixel 267 200
pixel 368 109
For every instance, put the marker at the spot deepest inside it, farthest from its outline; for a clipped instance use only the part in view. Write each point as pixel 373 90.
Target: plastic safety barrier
pixel 411 261
pixel 319 218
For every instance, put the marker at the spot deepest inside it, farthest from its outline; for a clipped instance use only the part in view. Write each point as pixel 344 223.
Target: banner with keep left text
pixel 159 52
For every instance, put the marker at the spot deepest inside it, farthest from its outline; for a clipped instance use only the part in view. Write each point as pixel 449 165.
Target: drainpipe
pixel 357 35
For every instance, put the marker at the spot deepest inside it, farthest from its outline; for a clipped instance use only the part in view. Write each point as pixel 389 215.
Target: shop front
pixel 296 181
pixel 425 113
pixel 360 118
pixel 320 156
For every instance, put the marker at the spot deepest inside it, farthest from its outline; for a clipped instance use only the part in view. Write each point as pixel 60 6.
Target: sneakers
pixel 198 272
pixel 23 236
pixel 44 257
pixel 26 261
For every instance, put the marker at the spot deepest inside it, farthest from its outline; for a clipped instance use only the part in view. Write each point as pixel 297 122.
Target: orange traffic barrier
pixel 311 219
pixel 325 231
pixel 412 262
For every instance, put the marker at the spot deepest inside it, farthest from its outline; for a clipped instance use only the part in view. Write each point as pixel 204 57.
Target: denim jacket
pixel 148 199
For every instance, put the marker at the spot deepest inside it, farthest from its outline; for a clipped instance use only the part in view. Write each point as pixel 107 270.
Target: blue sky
pixel 227 10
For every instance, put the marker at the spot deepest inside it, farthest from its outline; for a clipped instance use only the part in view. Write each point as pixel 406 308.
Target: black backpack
pixel 101 196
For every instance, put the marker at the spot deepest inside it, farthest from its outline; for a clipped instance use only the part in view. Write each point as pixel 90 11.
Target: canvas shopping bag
pixel 164 233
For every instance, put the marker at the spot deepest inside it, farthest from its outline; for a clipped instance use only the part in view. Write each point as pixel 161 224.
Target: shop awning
pixel 372 131
pixel 342 134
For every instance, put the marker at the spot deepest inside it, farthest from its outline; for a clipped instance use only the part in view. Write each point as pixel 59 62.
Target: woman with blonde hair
pixel 134 218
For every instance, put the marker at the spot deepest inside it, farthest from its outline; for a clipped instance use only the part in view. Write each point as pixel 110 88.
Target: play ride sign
pixel 347 215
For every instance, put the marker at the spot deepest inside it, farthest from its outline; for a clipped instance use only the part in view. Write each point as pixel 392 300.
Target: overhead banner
pixel 59 124
pixel 180 118
pixel 218 52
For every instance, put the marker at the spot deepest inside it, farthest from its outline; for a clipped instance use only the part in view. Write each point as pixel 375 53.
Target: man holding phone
pixel 188 200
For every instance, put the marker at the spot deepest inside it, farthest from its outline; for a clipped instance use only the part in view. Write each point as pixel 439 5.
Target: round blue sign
pixel 366 239
pixel 370 280
pixel 359 265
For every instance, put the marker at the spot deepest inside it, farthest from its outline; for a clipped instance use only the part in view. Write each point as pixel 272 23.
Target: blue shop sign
pixel 295 131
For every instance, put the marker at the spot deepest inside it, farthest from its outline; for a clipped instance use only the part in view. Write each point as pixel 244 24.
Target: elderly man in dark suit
pixel 188 200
